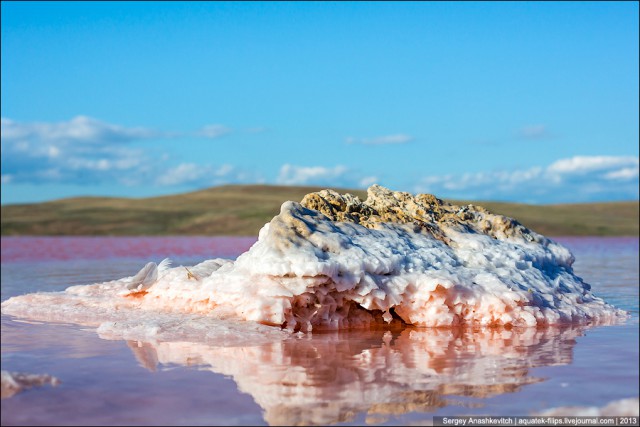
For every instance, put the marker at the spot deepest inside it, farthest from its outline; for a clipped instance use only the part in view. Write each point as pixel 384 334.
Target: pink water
pixel 398 378
pixel 73 248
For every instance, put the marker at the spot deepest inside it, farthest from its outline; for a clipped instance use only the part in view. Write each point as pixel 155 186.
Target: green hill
pixel 237 210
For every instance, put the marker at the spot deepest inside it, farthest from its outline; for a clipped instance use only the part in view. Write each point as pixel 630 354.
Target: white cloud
pixel 196 175
pixel 53 151
pixel 213 131
pixel 534 132
pixel 580 164
pixel 302 175
pixel 89 151
pixel 367 181
pixel 81 150
pixel 104 164
pixel 184 173
pixel 577 179
pixel 381 140
pixel 81 129
pixel 623 174
pixel 336 176
pixel 87 130
pixel 224 170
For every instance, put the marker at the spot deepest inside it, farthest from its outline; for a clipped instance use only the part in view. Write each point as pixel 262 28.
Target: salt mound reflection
pixel 329 378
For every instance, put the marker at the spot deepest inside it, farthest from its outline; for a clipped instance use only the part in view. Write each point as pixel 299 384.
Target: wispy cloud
pixel 335 176
pixel 80 129
pixel 184 173
pixel 198 175
pixel 87 130
pixel 585 164
pixel 213 131
pixel 575 179
pixel 399 138
pixel 534 132
pixel 367 181
pixel 302 175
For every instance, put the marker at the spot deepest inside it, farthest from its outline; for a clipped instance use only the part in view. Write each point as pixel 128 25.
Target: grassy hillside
pixel 237 210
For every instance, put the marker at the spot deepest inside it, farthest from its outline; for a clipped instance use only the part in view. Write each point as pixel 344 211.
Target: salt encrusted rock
pixel 425 211
pixel 334 261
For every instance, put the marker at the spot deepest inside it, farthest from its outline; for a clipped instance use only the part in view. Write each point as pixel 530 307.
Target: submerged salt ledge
pixel 335 262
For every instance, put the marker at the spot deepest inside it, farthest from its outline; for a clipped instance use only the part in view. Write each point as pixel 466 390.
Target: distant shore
pixel 241 210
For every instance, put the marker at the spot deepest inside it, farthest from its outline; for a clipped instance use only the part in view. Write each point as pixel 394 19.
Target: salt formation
pixel 15 382
pixel 148 275
pixel 334 261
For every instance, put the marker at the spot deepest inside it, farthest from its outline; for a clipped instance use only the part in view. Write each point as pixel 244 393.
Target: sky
pixel 532 102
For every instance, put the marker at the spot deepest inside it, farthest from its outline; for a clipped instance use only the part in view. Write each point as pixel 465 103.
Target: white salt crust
pixel 308 272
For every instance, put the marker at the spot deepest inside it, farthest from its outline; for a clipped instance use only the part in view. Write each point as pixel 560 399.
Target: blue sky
pixel 529 102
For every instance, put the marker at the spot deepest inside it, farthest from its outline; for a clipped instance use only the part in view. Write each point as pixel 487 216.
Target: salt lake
pixel 387 377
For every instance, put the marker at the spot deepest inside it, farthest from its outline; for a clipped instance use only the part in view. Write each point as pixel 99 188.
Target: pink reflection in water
pixel 52 248
pixel 73 248
pixel 589 244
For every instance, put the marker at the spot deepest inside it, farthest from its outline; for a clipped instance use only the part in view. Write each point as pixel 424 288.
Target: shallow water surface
pixel 394 377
